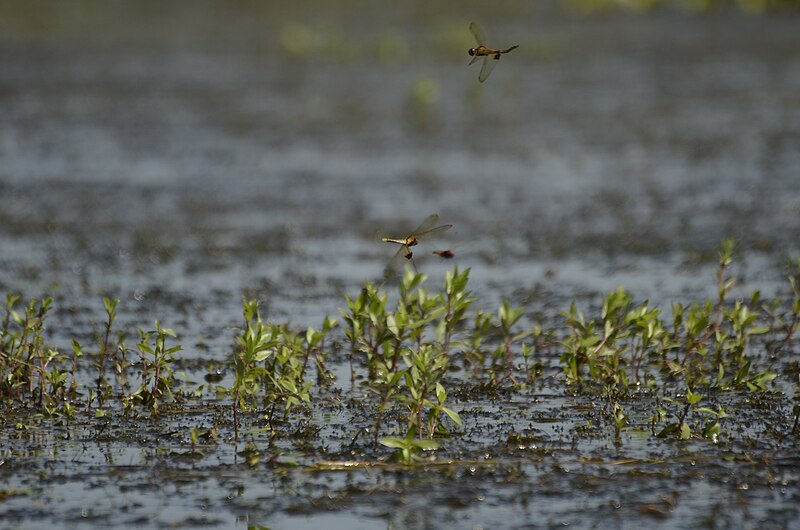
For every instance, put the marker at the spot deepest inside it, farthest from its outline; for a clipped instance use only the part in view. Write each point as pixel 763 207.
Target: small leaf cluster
pixel 407 351
pixel 31 372
pixel 706 344
pixel 270 364
pixel 157 376
pixel 682 428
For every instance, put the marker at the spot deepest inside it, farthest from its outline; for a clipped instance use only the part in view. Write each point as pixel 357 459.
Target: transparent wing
pixel 489 62
pixel 432 231
pixel 426 229
pixel 478 33
pixel 426 225
pixel 395 264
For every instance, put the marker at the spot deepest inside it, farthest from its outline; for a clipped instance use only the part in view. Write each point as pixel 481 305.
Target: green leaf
pixel 670 429
pixel 686 433
pixel 692 398
pixel 261 355
pixel 441 393
pixel 426 445
pixel 453 415
pixel 706 410
pixel 393 441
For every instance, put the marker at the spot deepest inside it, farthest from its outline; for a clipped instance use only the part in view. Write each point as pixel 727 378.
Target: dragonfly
pixel 445 254
pixel 427 229
pixel 490 55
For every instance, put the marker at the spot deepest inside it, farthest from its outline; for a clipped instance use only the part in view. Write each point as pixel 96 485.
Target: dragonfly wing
pixel 427 224
pixel 403 254
pixel 394 265
pixel 477 32
pixel 433 231
pixel 489 62
pixel 474 58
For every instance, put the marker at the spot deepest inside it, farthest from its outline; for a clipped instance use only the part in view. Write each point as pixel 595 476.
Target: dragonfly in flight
pixel 490 55
pixel 427 229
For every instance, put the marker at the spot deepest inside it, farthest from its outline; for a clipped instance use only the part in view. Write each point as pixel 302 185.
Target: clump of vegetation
pixel 407 351
pixel 270 364
pixel 157 376
pixel 705 345
pixel 32 373
pixel 422 349
pixel 682 428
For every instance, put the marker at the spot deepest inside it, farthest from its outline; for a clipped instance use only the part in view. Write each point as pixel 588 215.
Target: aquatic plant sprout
pixel 410 358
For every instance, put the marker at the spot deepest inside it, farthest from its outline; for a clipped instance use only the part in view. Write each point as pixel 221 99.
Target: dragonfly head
pixel 411 241
pixel 471 51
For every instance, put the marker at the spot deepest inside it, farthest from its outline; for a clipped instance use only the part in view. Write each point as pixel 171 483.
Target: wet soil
pixel 179 157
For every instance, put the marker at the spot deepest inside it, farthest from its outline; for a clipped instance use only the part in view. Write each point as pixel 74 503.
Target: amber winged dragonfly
pixel 427 229
pixel 490 55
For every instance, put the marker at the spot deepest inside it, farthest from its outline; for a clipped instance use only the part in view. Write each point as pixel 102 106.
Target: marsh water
pixel 179 156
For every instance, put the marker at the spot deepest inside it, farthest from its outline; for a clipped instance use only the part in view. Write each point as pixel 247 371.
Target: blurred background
pixel 177 154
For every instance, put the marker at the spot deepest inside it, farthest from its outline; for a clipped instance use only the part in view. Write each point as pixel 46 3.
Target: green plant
pixel 691 332
pixel 315 345
pixel 24 358
pixel 682 428
pixel 794 282
pixel 420 331
pixel 156 372
pixel 715 337
pixel 357 321
pixel 786 321
pixel 103 387
pixel 77 353
pixel 708 344
pixel 270 363
pixel 424 392
pixel 508 317
pixel 608 354
pixel 408 351
pixel 409 448
pixel 474 354
pixel 255 344
pixel 368 330
pixel 457 300
pixel 619 417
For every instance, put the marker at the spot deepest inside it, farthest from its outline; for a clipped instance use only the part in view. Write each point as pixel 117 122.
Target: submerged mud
pixel 179 162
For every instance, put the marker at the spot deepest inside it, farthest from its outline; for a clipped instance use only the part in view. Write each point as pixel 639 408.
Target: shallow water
pixel 179 157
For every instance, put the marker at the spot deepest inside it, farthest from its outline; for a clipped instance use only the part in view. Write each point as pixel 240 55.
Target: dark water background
pixel 177 155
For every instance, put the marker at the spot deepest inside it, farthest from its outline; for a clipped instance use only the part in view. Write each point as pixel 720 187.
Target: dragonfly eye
pixel 471 51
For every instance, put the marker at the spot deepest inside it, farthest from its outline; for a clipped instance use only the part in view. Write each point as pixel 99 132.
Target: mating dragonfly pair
pixel 423 231
pixel 490 55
